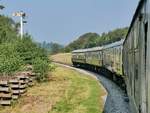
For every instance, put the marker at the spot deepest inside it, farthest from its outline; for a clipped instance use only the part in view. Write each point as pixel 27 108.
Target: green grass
pixel 62 58
pixel 83 95
pixel 67 91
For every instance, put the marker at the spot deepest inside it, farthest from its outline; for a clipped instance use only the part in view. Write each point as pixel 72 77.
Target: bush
pixel 41 68
pixel 10 61
pixel 16 52
pixel 29 50
pixel 52 67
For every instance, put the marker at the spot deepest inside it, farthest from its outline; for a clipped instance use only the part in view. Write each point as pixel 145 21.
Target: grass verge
pixel 62 58
pixel 67 92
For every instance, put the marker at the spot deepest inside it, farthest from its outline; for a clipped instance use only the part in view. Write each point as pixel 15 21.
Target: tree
pixel 89 40
pixel 17 53
pixel 52 48
pixel 85 41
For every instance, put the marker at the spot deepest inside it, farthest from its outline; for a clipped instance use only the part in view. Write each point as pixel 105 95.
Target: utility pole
pixel 22 16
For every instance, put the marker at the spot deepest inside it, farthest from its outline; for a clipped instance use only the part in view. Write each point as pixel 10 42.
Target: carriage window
pixel 146 30
pixel 136 35
pixel 132 38
pixel 130 41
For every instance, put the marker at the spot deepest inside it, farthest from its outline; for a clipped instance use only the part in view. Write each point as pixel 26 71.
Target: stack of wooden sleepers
pixel 11 88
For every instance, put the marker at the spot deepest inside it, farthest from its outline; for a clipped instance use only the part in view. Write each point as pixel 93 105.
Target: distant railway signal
pixel 2 7
pixel 24 22
pixel 22 16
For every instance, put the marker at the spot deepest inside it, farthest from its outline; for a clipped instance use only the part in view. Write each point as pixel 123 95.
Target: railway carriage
pixel 94 56
pixel 106 57
pixel 136 59
pixel 112 57
pixel 78 57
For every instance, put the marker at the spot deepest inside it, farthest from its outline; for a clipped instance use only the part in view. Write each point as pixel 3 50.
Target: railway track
pixel 116 98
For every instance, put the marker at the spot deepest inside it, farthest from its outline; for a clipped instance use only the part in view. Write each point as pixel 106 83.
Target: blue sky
pixel 63 21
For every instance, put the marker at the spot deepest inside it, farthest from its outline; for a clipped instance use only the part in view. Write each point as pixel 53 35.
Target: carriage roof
pixel 115 44
pixel 99 47
pixel 136 14
pixel 87 50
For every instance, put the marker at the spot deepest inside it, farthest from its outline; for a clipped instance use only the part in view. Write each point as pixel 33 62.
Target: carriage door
pixel 148 58
pixel 146 74
pixel 145 69
pixel 143 27
pixel 136 61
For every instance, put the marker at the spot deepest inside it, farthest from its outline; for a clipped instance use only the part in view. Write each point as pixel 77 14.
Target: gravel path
pixel 115 102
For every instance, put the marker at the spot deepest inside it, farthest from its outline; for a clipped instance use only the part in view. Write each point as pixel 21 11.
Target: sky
pixel 63 21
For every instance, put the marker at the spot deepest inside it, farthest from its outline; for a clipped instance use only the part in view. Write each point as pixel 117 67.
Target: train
pixel 103 59
pixel 128 60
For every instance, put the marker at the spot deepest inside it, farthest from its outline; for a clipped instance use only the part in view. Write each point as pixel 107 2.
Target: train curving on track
pixel 128 60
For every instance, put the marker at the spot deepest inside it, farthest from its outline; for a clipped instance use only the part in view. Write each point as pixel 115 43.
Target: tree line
pixel 87 40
